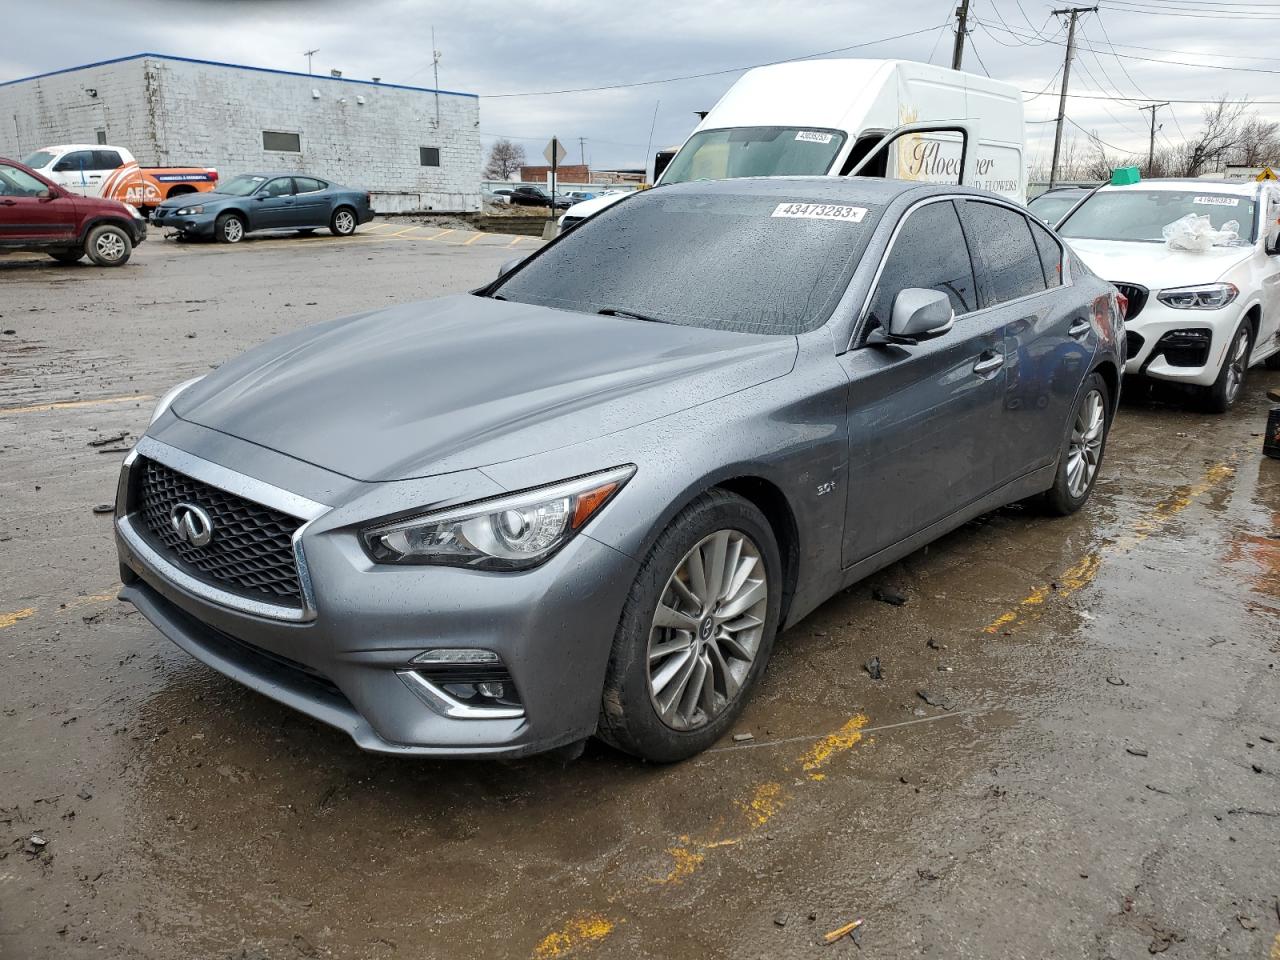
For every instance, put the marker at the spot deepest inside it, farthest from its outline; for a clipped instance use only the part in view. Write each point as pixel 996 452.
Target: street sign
pixel 1267 174
pixel 555 152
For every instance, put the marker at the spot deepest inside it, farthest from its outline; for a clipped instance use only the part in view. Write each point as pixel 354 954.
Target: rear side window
pixel 1007 259
pixel 1050 255
pixel 106 160
pixel 307 185
pixel 929 252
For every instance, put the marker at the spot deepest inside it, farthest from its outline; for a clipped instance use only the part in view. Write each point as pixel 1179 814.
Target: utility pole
pixel 309 54
pixel 1151 150
pixel 1074 13
pixel 435 70
pixel 962 27
pixel 582 150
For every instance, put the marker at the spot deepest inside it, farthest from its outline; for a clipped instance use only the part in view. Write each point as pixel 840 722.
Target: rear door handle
pixel 1080 329
pixel 988 364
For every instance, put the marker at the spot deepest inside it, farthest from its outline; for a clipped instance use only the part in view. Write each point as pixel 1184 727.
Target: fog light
pixel 494 691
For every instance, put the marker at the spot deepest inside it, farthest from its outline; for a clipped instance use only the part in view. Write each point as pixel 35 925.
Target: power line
pixel 1122 7
pixel 709 73
pixel 1086 96
pixel 974 47
pixel 1094 136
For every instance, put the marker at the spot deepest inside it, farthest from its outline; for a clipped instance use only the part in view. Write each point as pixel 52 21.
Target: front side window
pixel 76 160
pixel 755 152
pixel 1008 262
pixel 241 186
pixel 712 260
pixel 279 187
pixel 1141 215
pixel 19 183
pixel 929 252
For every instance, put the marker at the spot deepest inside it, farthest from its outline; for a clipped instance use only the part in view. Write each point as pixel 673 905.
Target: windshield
pixel 753 264
pixel 1142 215
pixel 755 152
pixel 1051 207
pixel 242 185
pixel 41 158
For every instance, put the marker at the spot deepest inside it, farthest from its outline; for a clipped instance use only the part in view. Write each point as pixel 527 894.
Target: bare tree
pixel 1221 136
pixel 505 158
pixel 1259 142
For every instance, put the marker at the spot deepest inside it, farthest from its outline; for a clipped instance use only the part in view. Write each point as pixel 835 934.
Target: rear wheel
pixel 67 256
pixel 108 246
pixel 229 228
pixel 343 223
pixel 1082 449
pixel 696 631
pixel 1226 389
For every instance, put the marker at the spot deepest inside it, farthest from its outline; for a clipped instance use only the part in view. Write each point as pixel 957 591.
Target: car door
pixel 30 212
pixel 311 202
pixel 1269 327
pixel 1048 334
pixel 273 205
pixel 77 171
pixel 924 419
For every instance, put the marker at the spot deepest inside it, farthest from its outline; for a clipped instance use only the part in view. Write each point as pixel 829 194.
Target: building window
pixel 285 142
pixel 102 136
pixel 429 156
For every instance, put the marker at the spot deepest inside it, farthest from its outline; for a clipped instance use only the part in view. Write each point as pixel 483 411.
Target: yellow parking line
pixel 472 240
pixel 514 241
pixel 9 619
pixel 73 404
pixel 442 233
pixel 588 928
pixel 401 233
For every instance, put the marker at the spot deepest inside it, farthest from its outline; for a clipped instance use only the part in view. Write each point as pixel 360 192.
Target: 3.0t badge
pixel 193 524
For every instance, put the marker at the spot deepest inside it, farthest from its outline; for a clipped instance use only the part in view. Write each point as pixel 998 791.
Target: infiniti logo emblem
pixel 192 524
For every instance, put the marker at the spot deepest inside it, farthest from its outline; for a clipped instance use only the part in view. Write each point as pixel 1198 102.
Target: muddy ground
pixel 1072 754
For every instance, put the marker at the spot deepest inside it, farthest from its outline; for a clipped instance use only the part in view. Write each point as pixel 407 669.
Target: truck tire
pixel 229 228
pixel 343 222
pixel 73 255
pixel 108 245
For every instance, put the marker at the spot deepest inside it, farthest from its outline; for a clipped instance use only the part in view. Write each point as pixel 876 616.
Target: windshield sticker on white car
pixel 813 136
pixel 820 211
pixel 1217 201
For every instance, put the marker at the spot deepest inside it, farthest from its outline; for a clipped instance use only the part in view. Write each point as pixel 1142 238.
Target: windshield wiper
pixel 630 315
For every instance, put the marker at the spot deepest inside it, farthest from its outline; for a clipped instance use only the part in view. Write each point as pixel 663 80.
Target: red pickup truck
pixel 37 214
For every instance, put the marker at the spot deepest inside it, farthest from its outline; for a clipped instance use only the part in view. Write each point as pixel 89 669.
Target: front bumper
pixel 195 225
pixel 1153 352
pixel 347 662
pixel 137 230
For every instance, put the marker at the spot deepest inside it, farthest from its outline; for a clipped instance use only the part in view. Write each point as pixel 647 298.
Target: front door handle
pixel 8 203
pixel 1079 330
pixel 988 363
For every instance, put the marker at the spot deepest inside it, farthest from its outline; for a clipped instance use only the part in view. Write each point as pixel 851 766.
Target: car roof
pixel 1246 188
pixel 64 147
pixel 271 174
pixel 880 190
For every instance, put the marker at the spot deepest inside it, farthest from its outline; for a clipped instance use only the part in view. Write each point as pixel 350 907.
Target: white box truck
pixel 827 117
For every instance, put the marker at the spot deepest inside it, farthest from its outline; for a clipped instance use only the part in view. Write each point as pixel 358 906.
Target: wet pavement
pixel 1072 752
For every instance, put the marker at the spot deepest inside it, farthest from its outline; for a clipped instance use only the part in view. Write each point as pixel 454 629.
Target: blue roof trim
pixel 235 66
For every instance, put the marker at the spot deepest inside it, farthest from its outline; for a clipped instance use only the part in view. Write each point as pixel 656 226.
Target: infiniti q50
pixel 584 499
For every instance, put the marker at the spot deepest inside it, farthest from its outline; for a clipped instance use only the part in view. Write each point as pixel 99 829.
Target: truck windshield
pixel 1142 215
pixel 39 159
pixel 707 260
pixel 242 185
pixel 755 152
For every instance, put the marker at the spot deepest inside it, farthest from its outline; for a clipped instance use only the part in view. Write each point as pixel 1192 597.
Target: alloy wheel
pixel 707 629
pixel 1085 449
pixel 345 222
pixel 1236 365
pixel 110 246
pixel 233 230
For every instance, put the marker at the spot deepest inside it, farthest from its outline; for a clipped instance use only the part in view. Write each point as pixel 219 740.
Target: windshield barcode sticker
pixel 813 136
pixel 1217 201
pixel 820 211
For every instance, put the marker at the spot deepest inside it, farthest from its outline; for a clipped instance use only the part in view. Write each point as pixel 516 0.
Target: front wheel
pixel 696 631
pixel 229 228
pixel 1226 389
pixel 108 246
pixel 1082 450
pixel 343 223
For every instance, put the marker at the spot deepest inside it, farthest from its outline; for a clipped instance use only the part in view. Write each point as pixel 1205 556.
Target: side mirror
pixel 47 195
pixel 920 314
pixel 509 266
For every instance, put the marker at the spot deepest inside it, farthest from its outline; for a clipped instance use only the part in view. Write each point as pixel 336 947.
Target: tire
pixel 108 245
pixel 343 222
pixel 229 228
pixel 67 256
pixel 716 523
pixel 1230 383
pixel 1085 444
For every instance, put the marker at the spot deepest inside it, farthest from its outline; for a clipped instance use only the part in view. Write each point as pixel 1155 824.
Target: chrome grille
pixel 251 552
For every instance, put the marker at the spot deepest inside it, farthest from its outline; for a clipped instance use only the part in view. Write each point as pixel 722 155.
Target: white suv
pixel 1198 318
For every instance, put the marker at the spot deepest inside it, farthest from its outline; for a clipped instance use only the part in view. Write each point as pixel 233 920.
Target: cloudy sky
pixel 1130 48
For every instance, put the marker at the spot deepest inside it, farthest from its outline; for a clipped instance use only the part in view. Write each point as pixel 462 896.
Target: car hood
pixel 192 199
pixel 1156 266
pixel 465 381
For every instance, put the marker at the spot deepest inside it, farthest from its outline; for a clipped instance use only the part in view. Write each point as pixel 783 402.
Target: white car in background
pixel 1195 317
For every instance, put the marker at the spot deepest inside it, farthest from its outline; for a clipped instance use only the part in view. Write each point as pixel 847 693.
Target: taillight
pixel 213 176
pixel 368 199
pixel 1122 304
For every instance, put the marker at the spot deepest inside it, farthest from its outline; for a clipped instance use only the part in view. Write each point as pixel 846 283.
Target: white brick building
pixel 413 148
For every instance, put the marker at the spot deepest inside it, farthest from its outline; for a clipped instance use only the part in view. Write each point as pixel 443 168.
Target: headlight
pixel 512 532
pixel 133 211
pixel 1208 296
pixel 167 400
pixel 189 211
